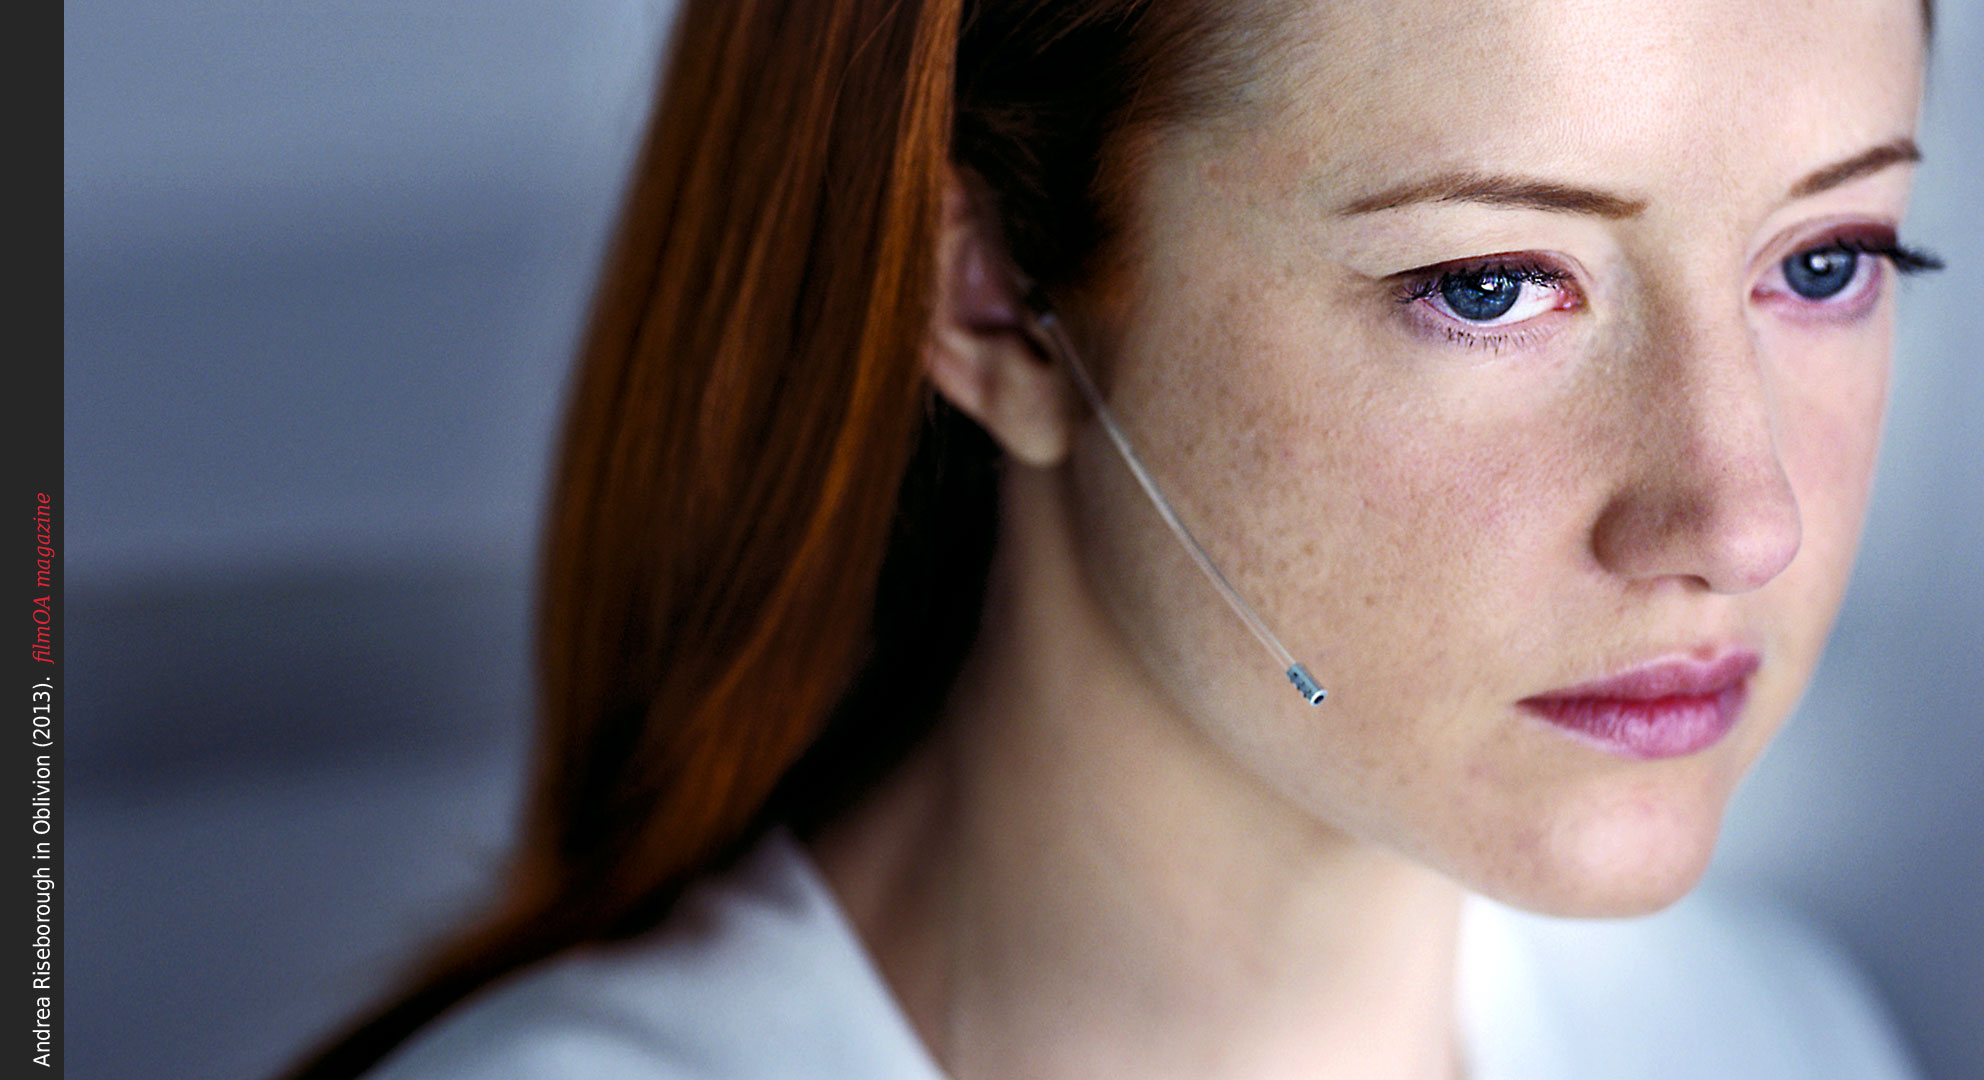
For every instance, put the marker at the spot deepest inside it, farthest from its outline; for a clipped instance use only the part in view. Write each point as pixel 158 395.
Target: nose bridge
pixel 1705 494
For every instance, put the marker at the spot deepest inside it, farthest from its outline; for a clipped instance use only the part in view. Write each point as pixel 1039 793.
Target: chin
pixel 1624 854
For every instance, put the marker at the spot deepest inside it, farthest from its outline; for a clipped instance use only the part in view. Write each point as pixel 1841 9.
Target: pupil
pixel 1480 297
pixel 1816 275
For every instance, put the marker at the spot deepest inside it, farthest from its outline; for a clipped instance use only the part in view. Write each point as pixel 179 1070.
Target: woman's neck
pixel 1067 879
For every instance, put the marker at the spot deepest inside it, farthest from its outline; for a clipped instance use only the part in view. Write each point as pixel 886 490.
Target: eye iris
pixel 1818 274
pixel 1482 296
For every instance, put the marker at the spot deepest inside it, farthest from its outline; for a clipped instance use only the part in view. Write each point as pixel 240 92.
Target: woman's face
pixel 1498 349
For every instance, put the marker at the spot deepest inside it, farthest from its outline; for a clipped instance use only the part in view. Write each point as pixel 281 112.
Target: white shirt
pixel 758 974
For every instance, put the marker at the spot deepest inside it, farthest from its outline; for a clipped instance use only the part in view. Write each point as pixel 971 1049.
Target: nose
pixel 1703 495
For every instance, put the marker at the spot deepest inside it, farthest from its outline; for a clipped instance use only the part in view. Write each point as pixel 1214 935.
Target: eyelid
pixel 1872 240
pixel 1413 287
pixel 1527 267
pixel 1878 238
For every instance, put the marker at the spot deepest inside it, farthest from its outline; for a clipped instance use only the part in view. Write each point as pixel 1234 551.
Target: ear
pixel 982 355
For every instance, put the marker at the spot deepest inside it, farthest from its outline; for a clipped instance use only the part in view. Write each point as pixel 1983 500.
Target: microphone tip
pixel 1306 685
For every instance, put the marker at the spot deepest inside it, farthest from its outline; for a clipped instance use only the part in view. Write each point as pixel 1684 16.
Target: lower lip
pixel 1647 728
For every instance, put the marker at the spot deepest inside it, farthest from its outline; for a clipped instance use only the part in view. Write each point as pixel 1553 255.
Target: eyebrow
pixel 1859 165
pixel 1529 193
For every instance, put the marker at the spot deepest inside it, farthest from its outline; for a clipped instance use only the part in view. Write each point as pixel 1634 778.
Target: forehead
pixel 1736 97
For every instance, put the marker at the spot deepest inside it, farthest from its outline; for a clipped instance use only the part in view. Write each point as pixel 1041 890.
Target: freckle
pixel 1529 842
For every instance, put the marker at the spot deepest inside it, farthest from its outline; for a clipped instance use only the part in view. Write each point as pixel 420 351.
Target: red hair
pixel 768 539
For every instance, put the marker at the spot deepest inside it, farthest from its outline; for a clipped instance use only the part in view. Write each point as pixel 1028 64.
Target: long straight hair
pixel 768 539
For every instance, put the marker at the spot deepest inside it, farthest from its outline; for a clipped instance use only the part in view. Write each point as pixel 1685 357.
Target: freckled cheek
pixel 1462 493
pixel 1360 498
pixel 1420 539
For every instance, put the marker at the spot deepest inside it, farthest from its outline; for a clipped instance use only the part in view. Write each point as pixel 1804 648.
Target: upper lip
pixel 1682 676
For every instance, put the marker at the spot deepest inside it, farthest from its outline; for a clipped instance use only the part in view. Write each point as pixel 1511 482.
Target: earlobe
pixel 982 354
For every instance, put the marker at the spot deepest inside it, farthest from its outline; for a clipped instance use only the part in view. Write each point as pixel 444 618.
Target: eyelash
pixel 1431 281
pixel 1424 284
pixel 1906 261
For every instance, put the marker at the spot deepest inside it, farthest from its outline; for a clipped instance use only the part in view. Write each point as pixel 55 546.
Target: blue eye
pixel 1480 296
pixel 1511 293
pixel 1483 294
pixel 1820 272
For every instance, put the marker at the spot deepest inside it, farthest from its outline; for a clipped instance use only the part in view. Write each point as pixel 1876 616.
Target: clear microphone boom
pixel 1050 325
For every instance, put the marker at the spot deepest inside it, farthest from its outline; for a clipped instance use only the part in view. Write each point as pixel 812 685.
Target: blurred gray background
pixel 325 267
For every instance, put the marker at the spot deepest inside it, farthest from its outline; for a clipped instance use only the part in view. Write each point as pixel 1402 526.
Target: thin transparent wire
pixel 1050 326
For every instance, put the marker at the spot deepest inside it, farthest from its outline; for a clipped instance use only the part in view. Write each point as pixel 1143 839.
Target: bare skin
pixel 1129 850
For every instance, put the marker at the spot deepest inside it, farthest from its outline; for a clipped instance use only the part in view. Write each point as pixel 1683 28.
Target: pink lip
pixel 1660 710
